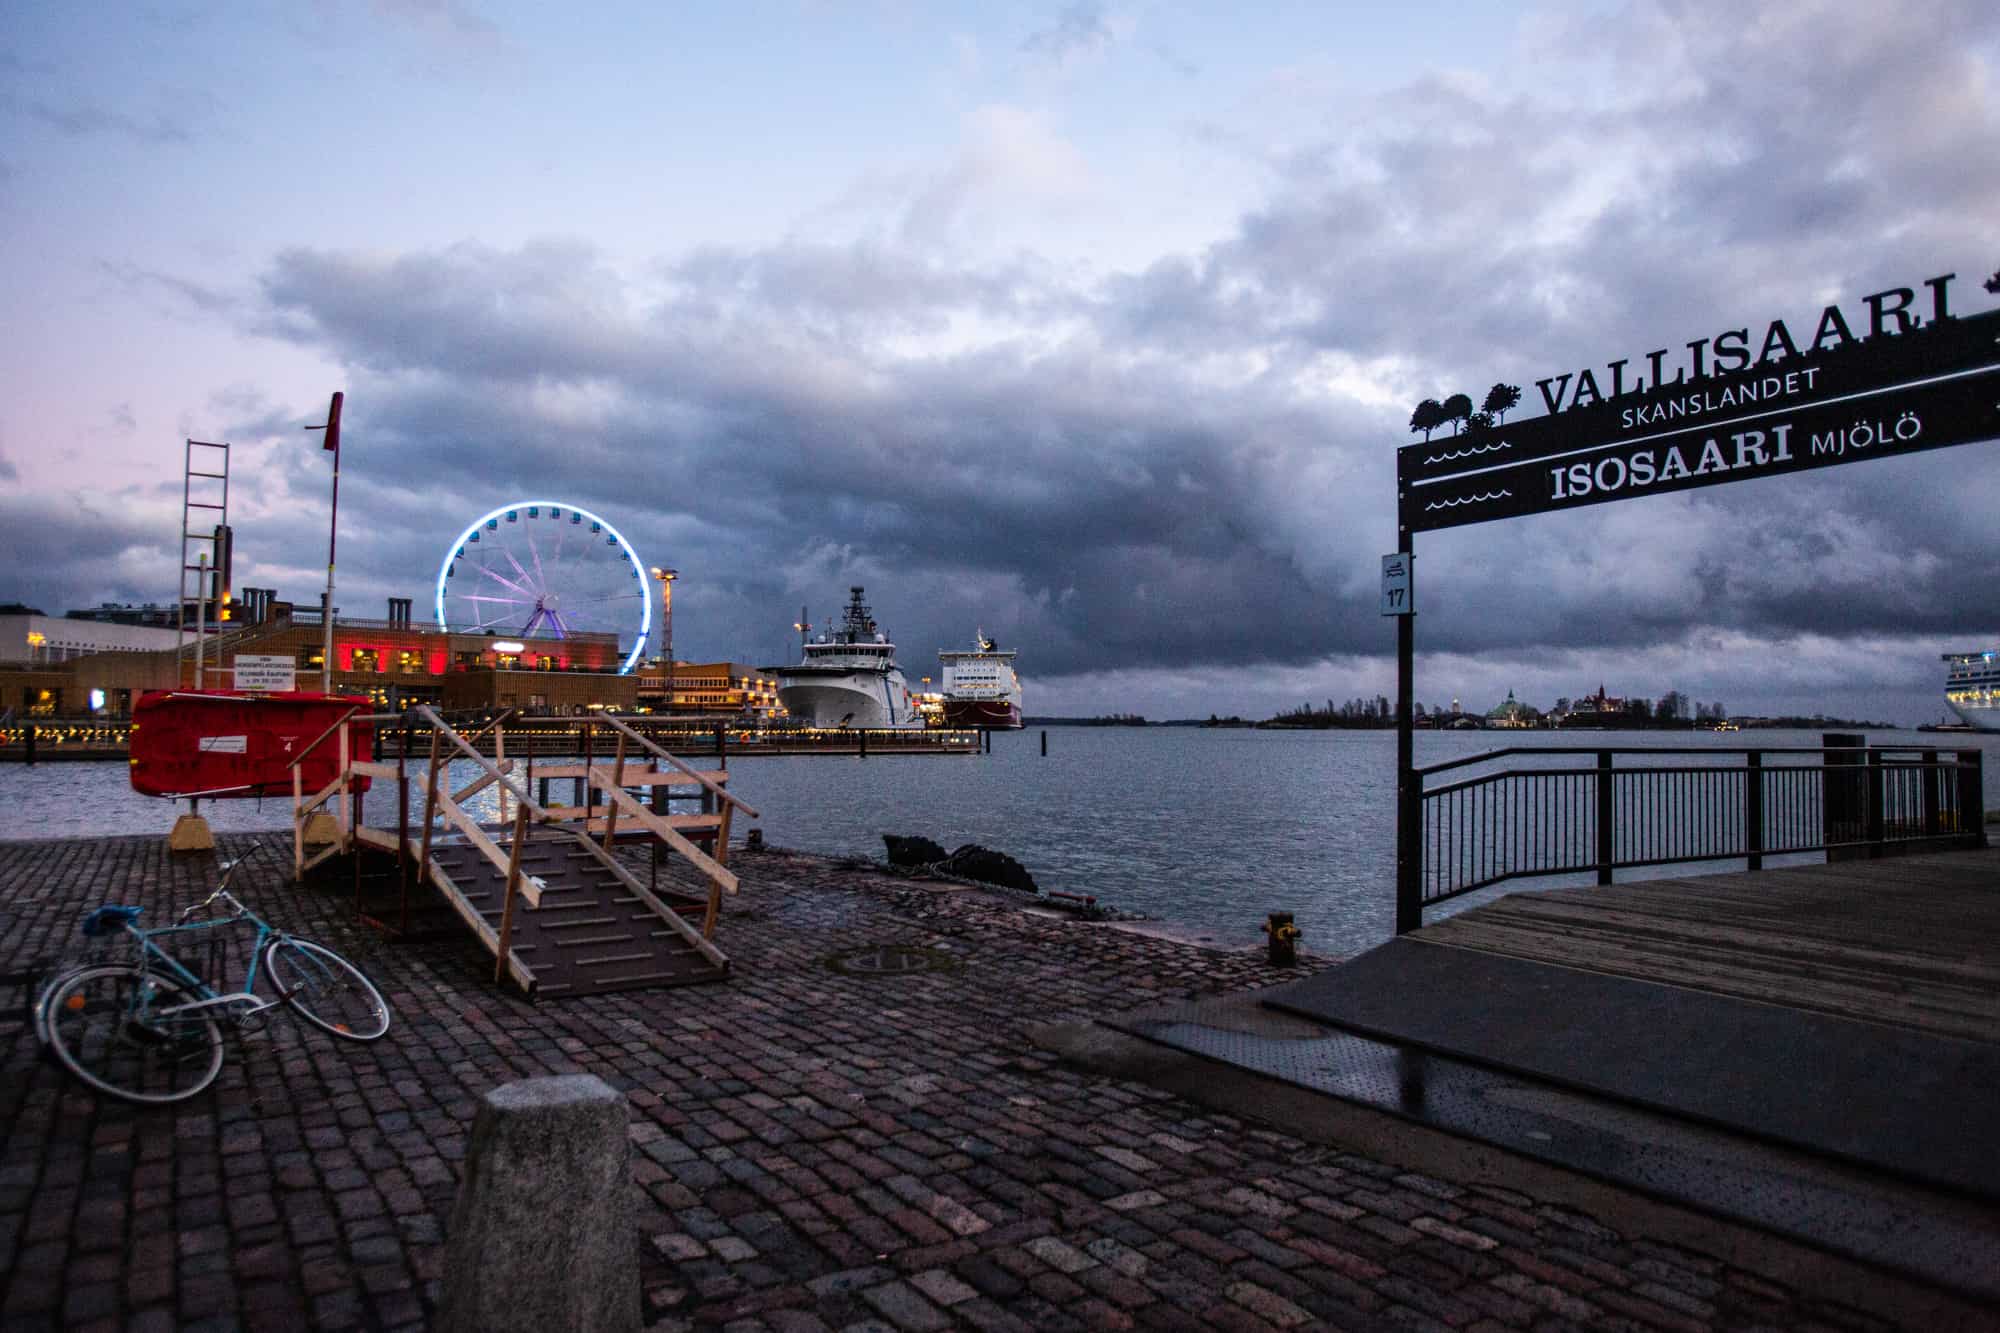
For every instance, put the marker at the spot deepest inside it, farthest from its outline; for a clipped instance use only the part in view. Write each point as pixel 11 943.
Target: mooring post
pixel 863 734
pixel 1045 745
pixel 1284 950
pixel 29 756
pixel 544 1234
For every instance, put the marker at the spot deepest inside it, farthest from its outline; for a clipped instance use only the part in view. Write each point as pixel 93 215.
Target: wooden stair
pixel 591 931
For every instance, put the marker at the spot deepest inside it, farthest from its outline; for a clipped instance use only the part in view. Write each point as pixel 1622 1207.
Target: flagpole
pixel 332 528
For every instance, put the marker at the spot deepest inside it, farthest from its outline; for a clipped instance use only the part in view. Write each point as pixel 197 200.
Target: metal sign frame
pixel 1911 385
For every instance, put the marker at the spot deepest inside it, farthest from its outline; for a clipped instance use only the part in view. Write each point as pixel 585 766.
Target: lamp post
pixel 666 578
pixel 332 443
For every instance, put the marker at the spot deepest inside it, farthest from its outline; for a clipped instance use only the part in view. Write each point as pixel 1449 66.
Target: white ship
pixel 1972 688
pixel 980 687
pixel 847 677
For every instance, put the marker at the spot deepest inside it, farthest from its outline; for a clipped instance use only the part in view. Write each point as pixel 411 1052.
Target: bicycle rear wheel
pixel 106 1025
pixel 326 989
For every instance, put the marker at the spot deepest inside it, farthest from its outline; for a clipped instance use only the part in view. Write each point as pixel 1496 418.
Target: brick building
pixel 392 661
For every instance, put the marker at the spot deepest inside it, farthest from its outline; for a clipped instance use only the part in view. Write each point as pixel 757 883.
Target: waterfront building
pixel 392 661
pixel 708 689
pixel 38 640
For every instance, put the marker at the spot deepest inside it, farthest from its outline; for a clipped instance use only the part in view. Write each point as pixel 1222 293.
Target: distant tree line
pixel 1357 713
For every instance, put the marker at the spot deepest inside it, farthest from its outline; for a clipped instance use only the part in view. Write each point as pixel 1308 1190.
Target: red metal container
pixel 222 743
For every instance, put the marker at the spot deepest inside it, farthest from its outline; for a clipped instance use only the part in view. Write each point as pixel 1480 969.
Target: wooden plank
pixel 377 838
pixel 1913 941
pixel 639 777
pixel 487 847
pixel 707 778
pixel 483 781
pixel 717 873
pixel 509 887
pixel 660 909
pixel 523 975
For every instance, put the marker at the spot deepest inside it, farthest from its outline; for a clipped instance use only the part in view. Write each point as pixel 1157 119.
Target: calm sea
pixel 1207 829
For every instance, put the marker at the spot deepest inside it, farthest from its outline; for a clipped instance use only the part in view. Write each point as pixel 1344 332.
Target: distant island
pixel 1598 712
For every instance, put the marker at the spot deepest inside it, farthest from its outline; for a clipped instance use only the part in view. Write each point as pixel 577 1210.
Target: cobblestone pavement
pixel 815 1149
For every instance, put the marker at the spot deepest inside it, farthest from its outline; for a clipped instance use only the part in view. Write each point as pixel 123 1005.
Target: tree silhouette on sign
pixel 1457 408
pixel 1500 399
pixel 1427 418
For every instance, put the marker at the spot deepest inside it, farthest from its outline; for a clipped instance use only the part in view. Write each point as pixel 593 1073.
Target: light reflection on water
pixel 1211 829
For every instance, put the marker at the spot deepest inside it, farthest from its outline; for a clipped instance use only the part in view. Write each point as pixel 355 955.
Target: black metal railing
pixel 1569 810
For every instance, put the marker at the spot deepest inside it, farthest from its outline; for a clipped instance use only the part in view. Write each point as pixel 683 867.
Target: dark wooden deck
pixel 1912 941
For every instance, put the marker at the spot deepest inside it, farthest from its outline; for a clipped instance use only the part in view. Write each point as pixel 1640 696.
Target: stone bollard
pixel 544 1235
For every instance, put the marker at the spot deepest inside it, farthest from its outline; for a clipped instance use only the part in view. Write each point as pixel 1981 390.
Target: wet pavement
pixel 858 1130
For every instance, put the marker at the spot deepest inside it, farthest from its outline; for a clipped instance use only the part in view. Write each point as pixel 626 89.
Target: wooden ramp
pixel 591 931
pixel 544 890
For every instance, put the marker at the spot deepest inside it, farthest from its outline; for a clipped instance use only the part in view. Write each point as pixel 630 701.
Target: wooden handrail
pixel 483 763
pixel 720 792
pixel 339 722
pixel 474 737
pixel 665 832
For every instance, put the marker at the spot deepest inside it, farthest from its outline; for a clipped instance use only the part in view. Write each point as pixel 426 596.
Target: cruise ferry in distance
pixel 1972 688
pixel 980 688
pixel 847 677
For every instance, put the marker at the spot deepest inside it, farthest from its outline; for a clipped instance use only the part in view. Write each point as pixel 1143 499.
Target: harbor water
pixel 1209 830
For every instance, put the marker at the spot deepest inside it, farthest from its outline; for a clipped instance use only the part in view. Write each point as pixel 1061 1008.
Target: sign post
pixel 1399 600
pixel 1915 381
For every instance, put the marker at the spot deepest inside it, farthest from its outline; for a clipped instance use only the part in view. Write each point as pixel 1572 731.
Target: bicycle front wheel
pixel 326 989
pixel 113 1027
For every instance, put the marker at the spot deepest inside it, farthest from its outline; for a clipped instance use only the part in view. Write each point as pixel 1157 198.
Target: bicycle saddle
pixel 106 920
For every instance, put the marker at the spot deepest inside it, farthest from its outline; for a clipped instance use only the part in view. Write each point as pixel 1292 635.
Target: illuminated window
pixel 410 662
pixel 366 659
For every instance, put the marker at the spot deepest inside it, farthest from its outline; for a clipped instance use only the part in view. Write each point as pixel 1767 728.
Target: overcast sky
pixel 1094 325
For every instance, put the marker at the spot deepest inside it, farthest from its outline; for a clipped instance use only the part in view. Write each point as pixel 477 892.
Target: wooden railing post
pixel 513 882
pixel 346 769
pixel 1753 809
pixel 430 807
pixel 1606 823
pixel 298 825
pixel 611 812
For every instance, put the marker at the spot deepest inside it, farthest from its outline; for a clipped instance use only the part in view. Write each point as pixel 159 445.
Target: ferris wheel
pixel 549 569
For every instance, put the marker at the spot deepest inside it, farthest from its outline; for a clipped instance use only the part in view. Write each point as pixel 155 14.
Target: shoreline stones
pixel 970 861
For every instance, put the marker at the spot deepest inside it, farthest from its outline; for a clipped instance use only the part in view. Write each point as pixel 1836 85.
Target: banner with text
pixel 1926 388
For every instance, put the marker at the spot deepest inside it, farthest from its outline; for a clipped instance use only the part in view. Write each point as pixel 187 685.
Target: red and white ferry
pixel 980 687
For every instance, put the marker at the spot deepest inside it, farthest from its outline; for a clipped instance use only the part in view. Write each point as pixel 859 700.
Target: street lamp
pixel 666 578
pixel 332 445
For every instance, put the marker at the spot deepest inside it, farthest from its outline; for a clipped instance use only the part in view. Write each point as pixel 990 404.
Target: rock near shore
pixel 971 861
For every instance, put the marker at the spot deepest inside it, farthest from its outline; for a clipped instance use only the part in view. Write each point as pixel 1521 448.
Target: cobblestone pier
pixel 828 1139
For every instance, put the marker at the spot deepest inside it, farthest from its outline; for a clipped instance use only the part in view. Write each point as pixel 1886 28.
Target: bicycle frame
pixel 242 1003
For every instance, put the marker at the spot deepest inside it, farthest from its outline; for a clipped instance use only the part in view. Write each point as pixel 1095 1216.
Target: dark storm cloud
pixel 1167 467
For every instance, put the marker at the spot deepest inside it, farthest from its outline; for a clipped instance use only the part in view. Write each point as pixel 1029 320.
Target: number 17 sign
pixel 1398 593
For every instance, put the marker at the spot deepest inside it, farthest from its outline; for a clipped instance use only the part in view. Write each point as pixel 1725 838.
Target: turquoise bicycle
pixel 148 1030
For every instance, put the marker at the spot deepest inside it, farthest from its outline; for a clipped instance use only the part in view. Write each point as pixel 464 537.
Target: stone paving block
pixel 1022 1193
